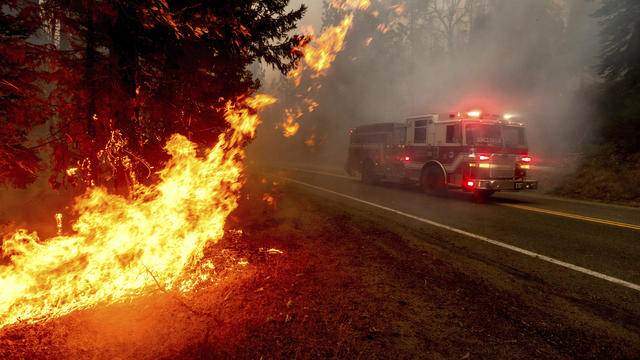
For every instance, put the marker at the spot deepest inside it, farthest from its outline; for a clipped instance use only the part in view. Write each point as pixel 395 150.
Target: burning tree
pixel 129 88
pixel 118 78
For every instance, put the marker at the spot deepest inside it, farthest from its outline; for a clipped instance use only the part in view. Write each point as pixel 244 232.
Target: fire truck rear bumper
pixel 506 184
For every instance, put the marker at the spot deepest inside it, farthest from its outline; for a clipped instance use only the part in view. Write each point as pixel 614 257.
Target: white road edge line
pixel 567 265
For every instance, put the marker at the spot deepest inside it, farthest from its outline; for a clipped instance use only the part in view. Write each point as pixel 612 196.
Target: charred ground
pixel 343 286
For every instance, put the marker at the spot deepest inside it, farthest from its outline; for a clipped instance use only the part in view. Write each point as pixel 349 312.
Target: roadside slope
pixel 331 279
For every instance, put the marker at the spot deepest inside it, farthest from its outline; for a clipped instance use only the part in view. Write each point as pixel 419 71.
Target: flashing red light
pixel 351 132
pixel 526 159
pixel 407 158
pixel 470 183
pixel 483 157
pixel 474 113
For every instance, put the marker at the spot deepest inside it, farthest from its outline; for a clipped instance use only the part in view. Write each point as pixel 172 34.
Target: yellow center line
pixel 522 207
pixel 573 216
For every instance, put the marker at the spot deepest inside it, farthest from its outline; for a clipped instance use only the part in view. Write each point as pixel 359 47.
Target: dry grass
pixel 608 177
pixel 343 287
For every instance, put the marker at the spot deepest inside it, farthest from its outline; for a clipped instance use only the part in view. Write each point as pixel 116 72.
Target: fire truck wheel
pixel 433 181
pixel 368 173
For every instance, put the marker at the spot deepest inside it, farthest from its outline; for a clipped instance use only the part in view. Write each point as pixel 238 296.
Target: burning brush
pixel 124 247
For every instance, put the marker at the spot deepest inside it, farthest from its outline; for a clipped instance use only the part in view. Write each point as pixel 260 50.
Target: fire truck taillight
pixel 526 159
pixel 470 183
pixel 406 158
pixel 483 157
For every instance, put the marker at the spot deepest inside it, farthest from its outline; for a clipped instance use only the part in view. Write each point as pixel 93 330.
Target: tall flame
pixel 319 54
pixel 350 4
pixel 121 246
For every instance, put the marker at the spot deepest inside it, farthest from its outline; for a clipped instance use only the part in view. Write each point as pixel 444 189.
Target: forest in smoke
pixel 568 68
pixel 534 58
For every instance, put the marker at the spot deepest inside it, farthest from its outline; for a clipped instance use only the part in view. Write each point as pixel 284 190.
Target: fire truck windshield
pixel 495 135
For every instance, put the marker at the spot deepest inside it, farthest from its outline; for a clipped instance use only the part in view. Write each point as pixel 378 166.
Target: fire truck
pixel 473 151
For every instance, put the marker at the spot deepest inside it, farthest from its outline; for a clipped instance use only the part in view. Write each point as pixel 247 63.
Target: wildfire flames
pixel 124 247
pixel 350 4
pixel 319 54
pixel 121 246
pixel 289 125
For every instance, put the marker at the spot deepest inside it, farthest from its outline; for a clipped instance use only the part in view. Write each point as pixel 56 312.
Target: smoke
pixel 34 208
pixel 533 58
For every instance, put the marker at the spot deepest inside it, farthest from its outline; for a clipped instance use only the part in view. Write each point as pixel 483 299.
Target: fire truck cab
pixel 472 151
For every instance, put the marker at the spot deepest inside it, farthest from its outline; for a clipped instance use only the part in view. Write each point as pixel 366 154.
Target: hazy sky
pixel 313 16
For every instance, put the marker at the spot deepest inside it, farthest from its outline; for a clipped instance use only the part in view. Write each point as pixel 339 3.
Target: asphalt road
pixel 601 238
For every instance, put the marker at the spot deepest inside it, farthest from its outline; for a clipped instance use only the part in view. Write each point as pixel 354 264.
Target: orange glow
pixel 398 9
pixel 350 4
pixel 268 199
pixel 311 141
pixel 290 126
pixel 320 53
pixel 368 41
pixel 120 247
pixel 296 74
pixel 59 223
pixel 311 104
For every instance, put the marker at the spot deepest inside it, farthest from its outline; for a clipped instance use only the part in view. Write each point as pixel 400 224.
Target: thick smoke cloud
pixel 533 58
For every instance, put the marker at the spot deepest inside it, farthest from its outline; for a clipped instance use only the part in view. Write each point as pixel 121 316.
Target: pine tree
pixel 620 38
pixel 131 73
pixel 620 65
pixel 22 98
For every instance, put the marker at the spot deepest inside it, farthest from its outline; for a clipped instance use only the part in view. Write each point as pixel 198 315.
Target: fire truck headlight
pixel 485 165
pixel 525 166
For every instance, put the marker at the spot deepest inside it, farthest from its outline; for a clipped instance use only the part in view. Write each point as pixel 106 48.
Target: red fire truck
pixel 472 151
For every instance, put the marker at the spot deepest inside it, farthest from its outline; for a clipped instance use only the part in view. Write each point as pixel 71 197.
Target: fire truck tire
pixel 432 181
pixel 368 173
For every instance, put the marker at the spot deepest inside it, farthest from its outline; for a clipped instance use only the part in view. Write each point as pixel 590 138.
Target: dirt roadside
pixel 310 277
